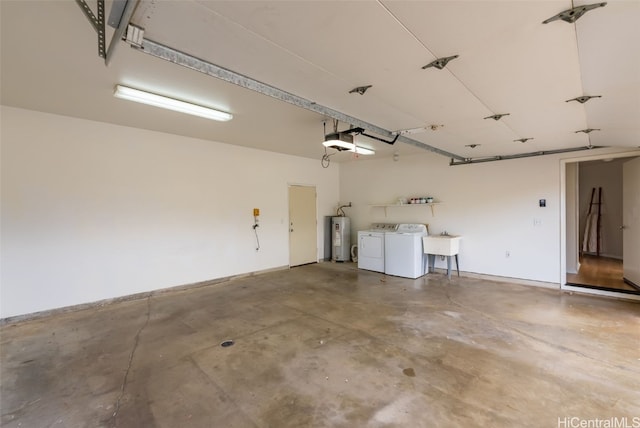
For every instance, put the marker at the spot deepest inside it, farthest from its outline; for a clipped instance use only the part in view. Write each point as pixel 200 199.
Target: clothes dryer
pixel 371 246
pixel 403 251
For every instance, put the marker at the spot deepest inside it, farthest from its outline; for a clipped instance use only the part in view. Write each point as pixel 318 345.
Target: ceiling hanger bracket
pixel 497 116
pixel 97 22
pixel 360 89
pixel 360 131
pixel 584 98
pixel 119 18
pixel 573 14
pixel 440 63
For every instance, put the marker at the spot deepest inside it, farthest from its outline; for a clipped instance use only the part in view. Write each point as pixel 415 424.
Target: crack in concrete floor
pixel 136 340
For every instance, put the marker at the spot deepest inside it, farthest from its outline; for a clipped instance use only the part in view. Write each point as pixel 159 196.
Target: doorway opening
pixel 600 254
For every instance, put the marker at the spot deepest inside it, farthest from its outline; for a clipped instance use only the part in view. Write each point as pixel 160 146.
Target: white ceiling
pixel 509 62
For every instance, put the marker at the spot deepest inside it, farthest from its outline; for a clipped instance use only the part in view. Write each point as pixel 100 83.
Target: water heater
pixel 340 239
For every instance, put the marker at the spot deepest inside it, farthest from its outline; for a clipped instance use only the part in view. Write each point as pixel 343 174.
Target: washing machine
pixel 371 246
pixel 403 252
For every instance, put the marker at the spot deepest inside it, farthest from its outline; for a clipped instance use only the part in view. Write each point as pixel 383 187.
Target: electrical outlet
pixel 507 254
pixel 537 222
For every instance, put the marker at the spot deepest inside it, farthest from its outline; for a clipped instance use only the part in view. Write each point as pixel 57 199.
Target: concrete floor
pixel 328 345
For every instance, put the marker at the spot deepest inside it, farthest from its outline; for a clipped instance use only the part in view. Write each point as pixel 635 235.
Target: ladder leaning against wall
pixel 592 238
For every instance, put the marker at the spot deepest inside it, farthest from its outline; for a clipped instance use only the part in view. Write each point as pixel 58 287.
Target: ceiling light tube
pixel 349 147
pixel 339 143
pixel 143 97
pixel 343 141
pixel 362 150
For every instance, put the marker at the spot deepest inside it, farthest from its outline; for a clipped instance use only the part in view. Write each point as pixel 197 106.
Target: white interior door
pixel 631 221
pixel 303 225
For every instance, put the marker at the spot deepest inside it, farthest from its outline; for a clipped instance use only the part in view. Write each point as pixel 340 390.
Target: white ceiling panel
pixel 509 62
pixel 611 68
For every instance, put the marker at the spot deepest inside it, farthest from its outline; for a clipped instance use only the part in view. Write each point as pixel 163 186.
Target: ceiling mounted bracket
pixel 584 98
pixel 360 89
pixel 410 131
pixel 97 22
pixel 116 13
pixel 119 18
pixel 497 116
pixel 522 140
pixel 135 35
pixel 440 63
pixel 360 131
pixel 121 12
pixel 572 15
pixel 588 130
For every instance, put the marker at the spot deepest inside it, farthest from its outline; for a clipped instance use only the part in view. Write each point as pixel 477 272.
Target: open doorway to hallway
pixel 604 273
pixel 600 229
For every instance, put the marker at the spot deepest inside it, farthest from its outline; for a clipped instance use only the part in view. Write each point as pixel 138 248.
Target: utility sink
pixel 441 245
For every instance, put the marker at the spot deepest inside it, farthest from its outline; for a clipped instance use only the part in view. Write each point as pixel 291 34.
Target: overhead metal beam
pixel 123 23
pixel 97 22
pixel 468 161
pixel 177 57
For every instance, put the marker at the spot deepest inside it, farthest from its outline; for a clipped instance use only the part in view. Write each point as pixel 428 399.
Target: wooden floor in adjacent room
pixel 601 272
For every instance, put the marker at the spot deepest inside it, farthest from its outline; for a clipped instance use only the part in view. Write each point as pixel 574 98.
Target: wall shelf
pixel 385 206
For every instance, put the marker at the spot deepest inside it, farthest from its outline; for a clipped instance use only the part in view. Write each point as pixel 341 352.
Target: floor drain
pixel 226 343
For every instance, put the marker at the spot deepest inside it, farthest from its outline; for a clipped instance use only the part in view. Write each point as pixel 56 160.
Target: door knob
pixel 623 227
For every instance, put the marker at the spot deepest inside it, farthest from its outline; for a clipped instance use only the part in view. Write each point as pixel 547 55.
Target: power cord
pixel 255 230
pixel 325 161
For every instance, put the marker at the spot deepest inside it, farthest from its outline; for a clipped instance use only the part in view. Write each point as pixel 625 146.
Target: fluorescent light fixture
pixel 344 142
pixel 143 97
pixel 362 150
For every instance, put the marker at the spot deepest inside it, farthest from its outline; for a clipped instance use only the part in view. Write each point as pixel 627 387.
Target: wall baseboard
pixel 608 256
pixel 519 281
pixel 136 296
pixel 573 289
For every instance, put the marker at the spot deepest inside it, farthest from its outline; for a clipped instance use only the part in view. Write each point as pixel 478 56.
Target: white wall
pixel 93 211
pixel 493 205
pixel 607 175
